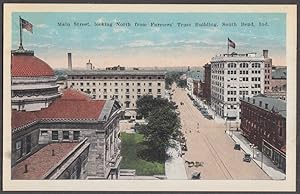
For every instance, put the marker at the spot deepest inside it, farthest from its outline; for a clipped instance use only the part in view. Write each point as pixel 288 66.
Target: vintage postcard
pixel 149 97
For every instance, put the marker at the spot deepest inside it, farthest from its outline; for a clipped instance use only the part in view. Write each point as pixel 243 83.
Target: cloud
pixel 100 20
pixel 141 43
pixel 36 45
pixel 119 29
pixel 41 25
pixel 155 29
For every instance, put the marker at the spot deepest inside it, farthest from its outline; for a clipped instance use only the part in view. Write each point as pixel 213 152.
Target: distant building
pixel 234 76
pixel 117 68
pixel 278 83
pixel 193 82
pixel 207 83
pixel 33 82
pixel 263 123
pixel 125 86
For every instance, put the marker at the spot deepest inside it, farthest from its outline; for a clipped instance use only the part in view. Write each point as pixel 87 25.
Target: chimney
pixel 70 61
pixel 265 53
pixel 26 168
pixel 53 153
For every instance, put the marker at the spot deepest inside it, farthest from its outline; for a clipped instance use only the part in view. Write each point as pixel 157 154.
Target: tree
pixel 147 104
pixel 163 126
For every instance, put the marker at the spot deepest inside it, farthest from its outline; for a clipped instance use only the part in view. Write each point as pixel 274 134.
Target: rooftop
pixel 273 104
pixel 72 105
pixel 238 57
pixel 279 73
pixel 29 66
pixel 115 72
pixel 39 163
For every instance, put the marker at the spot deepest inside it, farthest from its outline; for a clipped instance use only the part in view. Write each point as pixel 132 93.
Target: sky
pixel 150 45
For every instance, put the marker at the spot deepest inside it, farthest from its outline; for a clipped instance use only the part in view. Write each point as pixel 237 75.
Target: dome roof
pixel 29 66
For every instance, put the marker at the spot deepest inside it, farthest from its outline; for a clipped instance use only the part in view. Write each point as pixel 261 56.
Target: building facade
pixel 125 86
pixel 234 76
pixel 263 123
pixel 69 119
pixel 33 82
pixel 207 83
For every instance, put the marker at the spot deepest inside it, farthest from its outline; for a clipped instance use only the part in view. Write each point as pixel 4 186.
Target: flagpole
pixel 20 21
pixel 228 46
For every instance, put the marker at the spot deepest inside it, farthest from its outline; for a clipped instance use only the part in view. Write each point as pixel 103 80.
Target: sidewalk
pixel 268 167
pixel 174 167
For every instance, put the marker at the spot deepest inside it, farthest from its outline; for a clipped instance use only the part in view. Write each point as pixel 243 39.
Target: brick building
pixel 263 123
pixel 207 83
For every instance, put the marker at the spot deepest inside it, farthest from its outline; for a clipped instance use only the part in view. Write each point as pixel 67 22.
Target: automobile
pixel 237 146
pixel 247 158
pixel 209 117
pixel 196 175
pixel 204 113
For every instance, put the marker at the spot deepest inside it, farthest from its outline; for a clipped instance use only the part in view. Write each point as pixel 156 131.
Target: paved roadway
pixel 208 143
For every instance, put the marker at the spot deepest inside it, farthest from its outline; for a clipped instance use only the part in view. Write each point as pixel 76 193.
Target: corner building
pixel 232 77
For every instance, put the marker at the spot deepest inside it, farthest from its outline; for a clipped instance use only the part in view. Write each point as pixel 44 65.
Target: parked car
pixel 237 146
pixel 209 117
pixel 247 158
pixel 196 175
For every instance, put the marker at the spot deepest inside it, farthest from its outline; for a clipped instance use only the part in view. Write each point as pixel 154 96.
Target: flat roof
pixel 116 72
pixel 39 163
pixel 274 105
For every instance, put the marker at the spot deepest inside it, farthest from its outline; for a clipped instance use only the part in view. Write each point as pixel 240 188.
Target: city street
pixel 208 144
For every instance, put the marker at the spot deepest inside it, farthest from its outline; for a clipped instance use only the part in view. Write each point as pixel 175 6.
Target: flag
pixel 231 43
pixel 26 25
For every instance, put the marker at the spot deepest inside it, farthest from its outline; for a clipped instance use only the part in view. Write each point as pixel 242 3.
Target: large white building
pixel 126 86
pixel 232 77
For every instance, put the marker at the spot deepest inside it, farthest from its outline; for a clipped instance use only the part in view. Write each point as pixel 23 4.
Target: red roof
pixel 29 66
pixel 42 161
pixel 19 119
pixel 72 105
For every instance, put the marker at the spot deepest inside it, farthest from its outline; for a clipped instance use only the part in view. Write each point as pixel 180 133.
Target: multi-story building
pixel 234 76
pixel 278 83
pixel 207 83
pixel 126 86
pixel 263 123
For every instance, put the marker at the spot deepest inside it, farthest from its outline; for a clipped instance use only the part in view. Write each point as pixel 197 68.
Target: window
pixel 116 84
pixel 105 96
pixel 65 134
pixel 43 133
pixel 150 84
pixel 94 83
pixel 19 149
pixel 54 135
pixel 81 84
pixel 139 84
pixel 150 90
pixel 127 84
pixel 76 135
pixel 158 90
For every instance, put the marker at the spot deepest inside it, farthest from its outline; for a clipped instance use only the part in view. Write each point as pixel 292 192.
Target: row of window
pixel 117 90
pixel 116 84
pixel 66 135
pixel 117 77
